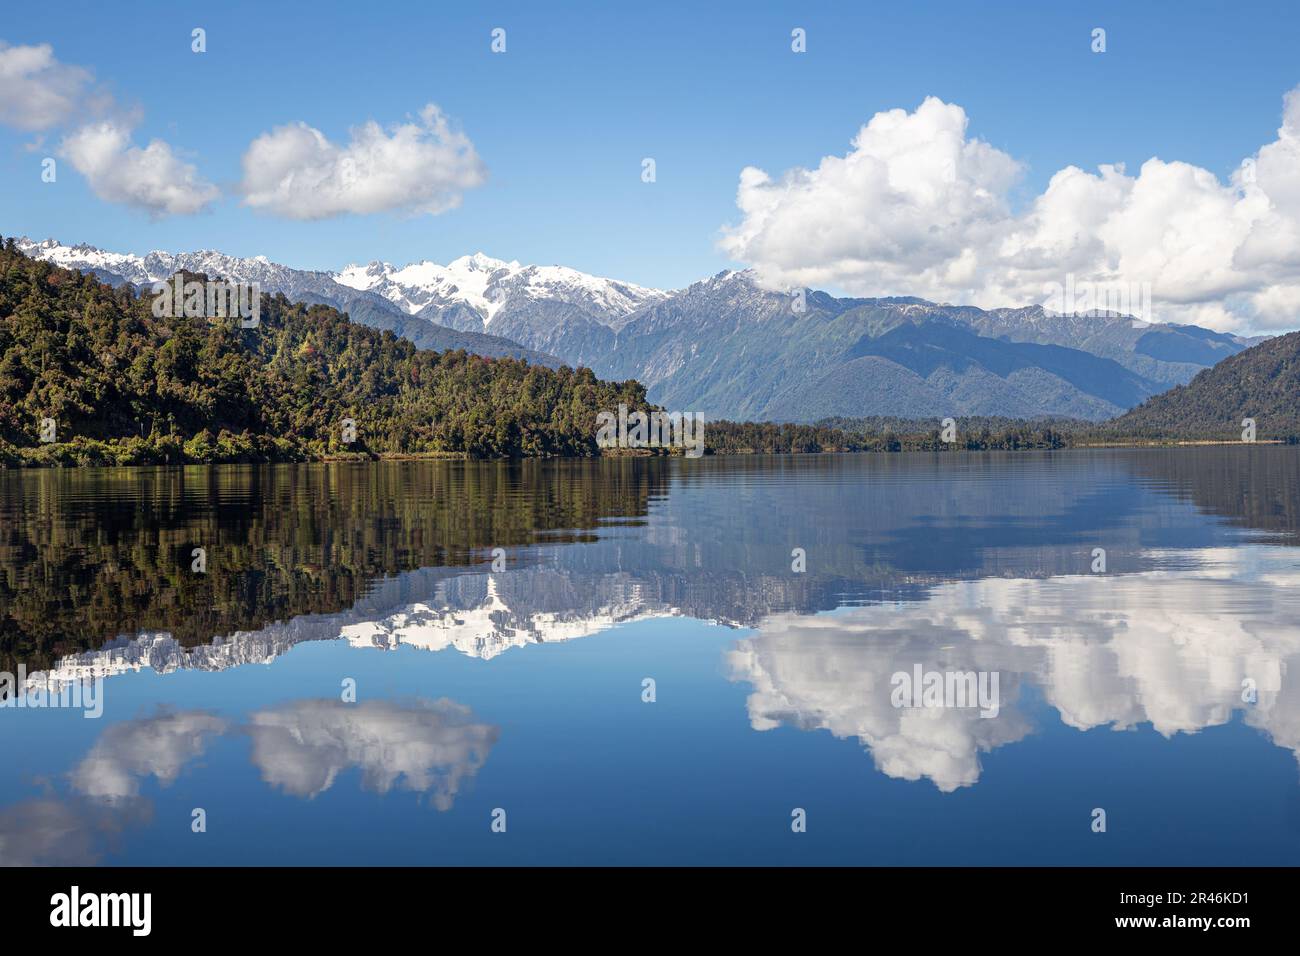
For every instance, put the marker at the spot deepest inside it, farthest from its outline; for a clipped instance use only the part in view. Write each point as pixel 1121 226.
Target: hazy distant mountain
pixel 1165 353
pixel 1261 383
pixel 725 347
pixel 298 285
pixel 728 348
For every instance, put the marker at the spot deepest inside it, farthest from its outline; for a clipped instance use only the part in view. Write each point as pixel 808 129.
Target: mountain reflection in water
pixel 965 562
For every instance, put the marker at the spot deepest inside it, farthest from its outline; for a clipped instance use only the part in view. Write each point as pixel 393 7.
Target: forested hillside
pixel 123 386
pixel 1262 383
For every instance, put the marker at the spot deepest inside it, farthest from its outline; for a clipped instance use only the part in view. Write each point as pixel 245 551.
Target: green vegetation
pixel 877 434
pixel 281 541
pixel 1262 383
pixel 126 387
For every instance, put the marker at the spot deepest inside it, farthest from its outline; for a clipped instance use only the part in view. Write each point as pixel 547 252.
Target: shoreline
pixel 70 449
pixel 1182 443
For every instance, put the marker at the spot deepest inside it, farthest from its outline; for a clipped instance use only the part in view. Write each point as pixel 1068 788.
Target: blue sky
pixel 563 119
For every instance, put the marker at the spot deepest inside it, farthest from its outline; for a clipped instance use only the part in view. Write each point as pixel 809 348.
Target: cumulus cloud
pixel 152 178
pixel 36 90
pixel 919 207
pixel 158 746
pixel 424 746
pixel 1151 648
pixel 421 166
pixel 71 831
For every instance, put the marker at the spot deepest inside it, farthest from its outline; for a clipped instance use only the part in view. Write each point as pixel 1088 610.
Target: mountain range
pixel 552 309
pixel 728 348
pixel 298 285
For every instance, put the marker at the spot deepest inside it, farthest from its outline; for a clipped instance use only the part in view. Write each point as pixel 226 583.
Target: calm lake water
pixel 350 680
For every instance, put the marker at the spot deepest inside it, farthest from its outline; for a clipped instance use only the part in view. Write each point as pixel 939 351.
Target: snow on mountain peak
pixel 363 277
pixel 486 285
pixel 84 257
pixel 478 282
pixel 480 262
pixel 152 267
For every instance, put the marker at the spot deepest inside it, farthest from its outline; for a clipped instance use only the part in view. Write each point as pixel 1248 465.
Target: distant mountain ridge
pixel 728 348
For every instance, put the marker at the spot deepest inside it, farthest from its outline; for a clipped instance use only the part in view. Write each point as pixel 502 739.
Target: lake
pixel 657 661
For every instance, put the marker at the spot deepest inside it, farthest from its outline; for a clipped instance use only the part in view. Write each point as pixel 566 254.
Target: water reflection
pixel 157 747
pixel 90 555
pixel 972 563
pixel 102 800
pixel 54 831
pixel 1180 651
pixel 429 747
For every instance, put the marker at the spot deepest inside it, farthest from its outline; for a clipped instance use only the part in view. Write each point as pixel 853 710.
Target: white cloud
pixel 424 746
pixel 917 207
pixel 36 90
pixel 158 746
pixel 1152 648
pixel 418 167
pixel 152 178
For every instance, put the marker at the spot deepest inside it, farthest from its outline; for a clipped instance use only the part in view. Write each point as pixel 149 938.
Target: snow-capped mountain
pixel 415 286
pixel 299 285
pixel 477 615
pixel 157 266
pixel 488 286
pixel 497 307
pixel 549 308
pixel 727 348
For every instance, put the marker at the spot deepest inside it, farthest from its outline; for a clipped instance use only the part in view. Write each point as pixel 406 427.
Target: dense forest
pixel 993 424
pixel 1262 383
pixel 878 434
pixel 123 386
